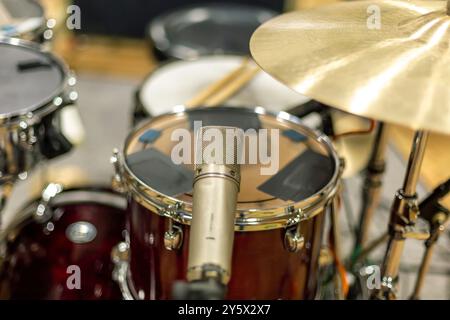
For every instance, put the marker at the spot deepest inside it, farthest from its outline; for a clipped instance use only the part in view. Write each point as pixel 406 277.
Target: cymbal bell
pixel 385 60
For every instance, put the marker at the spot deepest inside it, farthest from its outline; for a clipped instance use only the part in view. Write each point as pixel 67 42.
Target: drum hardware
pixel 293 239
pixel 438 218
pixel 404 213
pixel 173 237
pixel 43 211
pixel 117 183
pixel 120 258
pixel 372 185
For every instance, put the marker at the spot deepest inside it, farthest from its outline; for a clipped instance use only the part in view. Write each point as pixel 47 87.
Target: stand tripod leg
pixel 424 266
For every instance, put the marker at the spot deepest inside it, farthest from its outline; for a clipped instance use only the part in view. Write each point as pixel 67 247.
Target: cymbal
pixel 393 66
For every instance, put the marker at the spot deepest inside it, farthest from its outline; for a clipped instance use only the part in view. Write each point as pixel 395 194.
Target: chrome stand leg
pixel 372 186
pixel 423 271
pixel 404 214
pixel 438 224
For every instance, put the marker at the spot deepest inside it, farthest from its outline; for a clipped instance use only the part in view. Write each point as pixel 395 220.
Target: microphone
pixel 216 187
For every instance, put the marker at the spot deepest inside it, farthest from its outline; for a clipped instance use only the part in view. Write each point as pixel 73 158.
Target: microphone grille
pixel 219 145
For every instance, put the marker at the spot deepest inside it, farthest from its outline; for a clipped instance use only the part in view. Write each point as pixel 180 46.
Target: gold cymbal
pixel 386 60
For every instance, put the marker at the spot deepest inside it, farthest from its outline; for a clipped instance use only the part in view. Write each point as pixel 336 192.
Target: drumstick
pixel 210 90
pixel 232 88
pixel 219 86
pixel 5 17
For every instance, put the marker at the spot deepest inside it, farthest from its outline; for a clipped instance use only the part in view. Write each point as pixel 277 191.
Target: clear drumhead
pixel 20 16
pixel 175 83
pixel 29 79
pixel 293 163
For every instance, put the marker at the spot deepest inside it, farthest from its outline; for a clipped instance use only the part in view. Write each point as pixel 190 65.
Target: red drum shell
pixel 36 261
pixel 262 268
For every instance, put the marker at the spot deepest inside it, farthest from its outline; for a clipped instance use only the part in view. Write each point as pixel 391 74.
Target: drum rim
pixel 35 32
pixel 58 200
pixel 246 220
pixel 176 51
pixel 46 106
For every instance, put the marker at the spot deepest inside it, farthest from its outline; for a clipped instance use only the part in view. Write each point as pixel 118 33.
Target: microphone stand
pixel 404 213
pixel 207 289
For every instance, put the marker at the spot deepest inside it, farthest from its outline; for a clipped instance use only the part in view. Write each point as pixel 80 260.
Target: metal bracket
pixel 43 211
pixel 120 257
pixel 117 180
pixel 293 239
pixel 173 237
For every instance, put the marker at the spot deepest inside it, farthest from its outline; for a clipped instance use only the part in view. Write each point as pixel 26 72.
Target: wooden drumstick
pixel 225 87
pixel 232 88
pixel 5 17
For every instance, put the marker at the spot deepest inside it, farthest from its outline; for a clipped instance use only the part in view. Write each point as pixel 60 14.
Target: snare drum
pixel 62 250
pixel 24 19
pixel 279 218
pixel 34 87
pixel 175 83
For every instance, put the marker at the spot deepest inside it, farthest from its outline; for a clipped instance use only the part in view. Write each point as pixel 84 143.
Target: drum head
pixel 20 16
pixel 175 83
pixel 29 79
pixel 299 163
pixel 207 29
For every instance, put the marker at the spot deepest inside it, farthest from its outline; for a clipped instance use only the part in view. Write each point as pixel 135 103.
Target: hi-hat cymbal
pixel 386 60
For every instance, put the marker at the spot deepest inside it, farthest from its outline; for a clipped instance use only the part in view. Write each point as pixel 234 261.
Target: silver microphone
pixel 216 188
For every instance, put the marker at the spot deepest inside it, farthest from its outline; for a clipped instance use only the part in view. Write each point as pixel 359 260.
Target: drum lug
pixel 43 211
pixel 27 136
pixel 117 180
pixel 173 238
pixel 293 239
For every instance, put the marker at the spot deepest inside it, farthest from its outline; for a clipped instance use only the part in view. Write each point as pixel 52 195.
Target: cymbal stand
pixel 372 186
pixel 404 213
pixel 439 218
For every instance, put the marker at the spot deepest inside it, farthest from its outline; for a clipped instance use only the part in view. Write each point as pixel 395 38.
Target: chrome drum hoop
pixel 251 220
pixel 19 130
pixel 62 95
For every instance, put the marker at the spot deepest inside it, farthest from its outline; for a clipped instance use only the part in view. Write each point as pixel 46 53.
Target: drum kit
pixel 223 229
